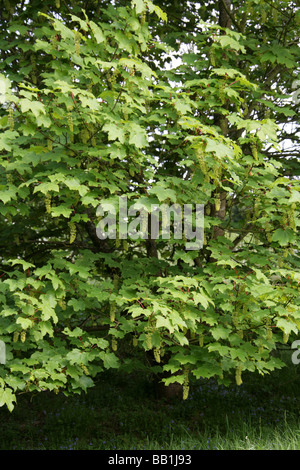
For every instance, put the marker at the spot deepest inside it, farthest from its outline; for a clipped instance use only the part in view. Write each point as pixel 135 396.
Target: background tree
pixel 92 109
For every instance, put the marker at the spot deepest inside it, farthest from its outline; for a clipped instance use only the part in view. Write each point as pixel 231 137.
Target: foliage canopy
pixel 94 108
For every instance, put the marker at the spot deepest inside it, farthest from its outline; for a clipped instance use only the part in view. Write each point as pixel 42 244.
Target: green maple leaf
pixel 7 195
pixel 46 188
pixel 48 304
pixel 228 42
pixel 182 107
pixel 220 332
pixel 164 323
pixel 286 326
pixel 24 264
pixel 97 31
pixel 6 139
pixel 199 298
pixel 137 135
pixel 283 237
pixel 163 193
pixel 24 322
pixel 220 149
pixel 63 210
pixel 85 382
pixel 110 361
pixel 206 371
pixel 36 107
pixel 46 328
pixel 76 356
pixel 139 5
pixel 295 197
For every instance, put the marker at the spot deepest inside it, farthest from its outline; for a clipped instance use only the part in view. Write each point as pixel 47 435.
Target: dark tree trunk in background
pixel 224 13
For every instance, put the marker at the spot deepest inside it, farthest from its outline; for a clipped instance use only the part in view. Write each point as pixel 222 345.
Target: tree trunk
pixel 175 390
pixel 224 13
pixel 219 120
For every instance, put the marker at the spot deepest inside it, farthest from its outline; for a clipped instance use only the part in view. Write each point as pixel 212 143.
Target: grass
pixel 122 413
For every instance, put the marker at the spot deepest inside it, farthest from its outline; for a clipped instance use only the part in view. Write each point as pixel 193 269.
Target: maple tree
pixel 93 108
